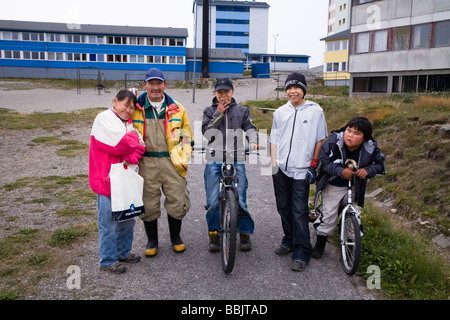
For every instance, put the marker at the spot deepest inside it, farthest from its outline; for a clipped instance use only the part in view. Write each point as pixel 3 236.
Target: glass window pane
pixel 402 38
pixel 442 37
pixel 421 36
pixel 362 42
pixel 380 40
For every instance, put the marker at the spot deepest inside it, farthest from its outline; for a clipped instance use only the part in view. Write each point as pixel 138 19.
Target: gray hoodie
pixel 295 132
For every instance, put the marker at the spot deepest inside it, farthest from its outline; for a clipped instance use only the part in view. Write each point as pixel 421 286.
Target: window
pixel 442 36
pixel 421 36
pixel 362 42
pixel 54 37
pixel 370 84
pixel 380 40
pixel 137 40
pixel 336 45
pixel 136 59
pixel 402 38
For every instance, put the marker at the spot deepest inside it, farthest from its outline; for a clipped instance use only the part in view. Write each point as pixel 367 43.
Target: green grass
pixel 410 266
pixel 68 148
pixel 11 120
pixel 29 255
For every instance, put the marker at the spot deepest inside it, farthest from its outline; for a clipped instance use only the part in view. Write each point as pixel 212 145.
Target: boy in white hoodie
pixel 298 131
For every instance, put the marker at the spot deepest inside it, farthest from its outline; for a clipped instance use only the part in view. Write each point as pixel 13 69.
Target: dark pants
pixel 292 205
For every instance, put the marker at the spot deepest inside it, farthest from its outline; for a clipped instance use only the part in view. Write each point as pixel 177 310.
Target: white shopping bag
pixel 127 187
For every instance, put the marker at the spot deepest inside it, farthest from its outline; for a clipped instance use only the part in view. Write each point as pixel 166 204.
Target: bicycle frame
pixel 350 258
pixel 227 179
pixel 347 209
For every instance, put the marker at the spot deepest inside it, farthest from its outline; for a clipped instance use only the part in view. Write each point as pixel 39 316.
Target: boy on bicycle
pixel 354 141
pixel 226 125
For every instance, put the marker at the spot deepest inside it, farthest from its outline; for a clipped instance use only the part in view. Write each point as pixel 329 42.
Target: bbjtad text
pixel 230 309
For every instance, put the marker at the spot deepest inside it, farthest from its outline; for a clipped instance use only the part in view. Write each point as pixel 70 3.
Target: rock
pixel 441 241
pixel 444 131
pixel 374 193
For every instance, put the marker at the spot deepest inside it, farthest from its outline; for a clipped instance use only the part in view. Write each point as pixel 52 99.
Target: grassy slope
pixel 418 161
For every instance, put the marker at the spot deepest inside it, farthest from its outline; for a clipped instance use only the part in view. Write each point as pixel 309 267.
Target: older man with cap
pixel 226 125
pixel 298 130
pixel 165 127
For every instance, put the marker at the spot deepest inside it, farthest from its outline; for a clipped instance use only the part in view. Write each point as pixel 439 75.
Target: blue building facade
pixel 58 50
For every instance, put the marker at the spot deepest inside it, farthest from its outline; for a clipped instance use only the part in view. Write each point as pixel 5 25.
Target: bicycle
pixel 228 207
pixel 350 230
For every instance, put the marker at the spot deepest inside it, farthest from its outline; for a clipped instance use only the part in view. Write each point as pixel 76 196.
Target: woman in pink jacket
pixel 113 140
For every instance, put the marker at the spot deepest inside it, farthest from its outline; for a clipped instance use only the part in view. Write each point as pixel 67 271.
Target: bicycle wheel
pixel 228 221
pixel 350 245
pixel 317 209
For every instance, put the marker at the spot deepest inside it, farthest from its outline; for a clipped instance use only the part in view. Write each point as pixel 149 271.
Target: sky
pixel 300 24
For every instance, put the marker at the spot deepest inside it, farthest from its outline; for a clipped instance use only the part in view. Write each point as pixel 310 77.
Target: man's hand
pixel 348 174
pixel 222 106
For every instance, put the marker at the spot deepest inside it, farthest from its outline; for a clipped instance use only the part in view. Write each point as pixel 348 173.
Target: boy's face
pixel 224 96
pixel 353 138
pixel 295 95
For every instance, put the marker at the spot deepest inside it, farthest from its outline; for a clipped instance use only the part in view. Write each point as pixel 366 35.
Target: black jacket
pixel 332 158
pixel 235 117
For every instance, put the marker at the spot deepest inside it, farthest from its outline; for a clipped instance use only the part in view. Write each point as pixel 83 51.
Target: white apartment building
pixel 399 46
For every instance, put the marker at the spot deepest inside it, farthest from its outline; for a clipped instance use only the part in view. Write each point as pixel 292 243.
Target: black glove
pixel 311 175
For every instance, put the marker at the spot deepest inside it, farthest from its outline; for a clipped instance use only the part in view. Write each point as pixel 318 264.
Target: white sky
pixel 300 23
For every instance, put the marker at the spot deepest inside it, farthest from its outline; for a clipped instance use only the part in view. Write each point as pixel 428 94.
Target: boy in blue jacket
pixel 353 141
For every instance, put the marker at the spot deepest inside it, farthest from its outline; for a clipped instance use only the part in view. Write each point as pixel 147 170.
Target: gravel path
pixel 195 274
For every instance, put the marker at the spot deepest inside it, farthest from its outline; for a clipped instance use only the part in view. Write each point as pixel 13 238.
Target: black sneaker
pixel 283 250
pixel 245 244
pixel 298 265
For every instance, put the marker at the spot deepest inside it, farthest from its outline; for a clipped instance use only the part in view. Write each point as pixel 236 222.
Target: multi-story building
pixel 399 46
pixel 336 43
pixel 235 25
pixel 59 50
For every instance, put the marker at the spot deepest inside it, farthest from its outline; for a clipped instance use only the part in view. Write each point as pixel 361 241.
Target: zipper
pixel 290 143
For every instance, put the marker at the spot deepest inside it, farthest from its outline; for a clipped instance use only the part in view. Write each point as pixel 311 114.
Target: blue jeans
pixel 116 238
pixel 212 175
pixel 292 205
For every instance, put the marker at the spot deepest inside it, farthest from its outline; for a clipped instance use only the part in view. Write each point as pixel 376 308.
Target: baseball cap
pixel 154 73
pixel 223 83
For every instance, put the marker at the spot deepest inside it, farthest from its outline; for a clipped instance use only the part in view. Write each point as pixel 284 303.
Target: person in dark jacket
pixel 354 141
pixel 227 125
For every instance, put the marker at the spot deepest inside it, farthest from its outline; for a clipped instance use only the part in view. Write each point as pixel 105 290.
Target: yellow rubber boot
pixel 175 229
pixel 151 229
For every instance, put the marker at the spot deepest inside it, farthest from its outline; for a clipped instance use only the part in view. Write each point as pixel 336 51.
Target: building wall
pixel 241 27
pixel 43 56
pixel 400 45
pixel 259 29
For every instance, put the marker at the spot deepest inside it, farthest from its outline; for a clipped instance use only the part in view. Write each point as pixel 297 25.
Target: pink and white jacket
pixel 112 141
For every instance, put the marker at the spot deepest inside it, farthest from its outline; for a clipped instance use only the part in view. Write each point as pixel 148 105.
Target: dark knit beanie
pixel 296 79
